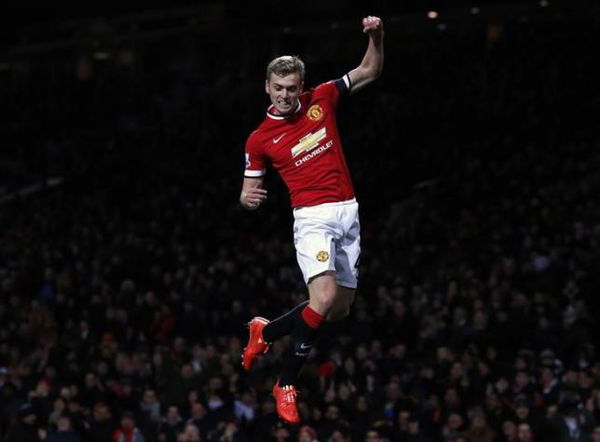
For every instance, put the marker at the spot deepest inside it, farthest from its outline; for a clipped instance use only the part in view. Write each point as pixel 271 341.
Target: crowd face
pixel 522 412
pixel 198 410
pixel 596 435
pixel 524 433
pixel 491 401
pixel 372 436
pixel 190 434
pixel 510 430
pixel 479 422
pixel 172 414
pixel 30 419
pixel 127 423
pixel 451 398
pixel 150 396
pixel 101 413
pixel 64 423
pixel 59 405
pixel 455 422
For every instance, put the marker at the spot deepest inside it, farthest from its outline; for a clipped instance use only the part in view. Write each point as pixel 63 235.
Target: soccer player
pixel 299 138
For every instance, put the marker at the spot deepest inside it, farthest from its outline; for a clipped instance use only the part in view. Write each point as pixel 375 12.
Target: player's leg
pixel 336 322
pixel 347 253
pixel 322 291
pixel 347 256
pixel 315 230
pixel 326 300
pixel 315 254
pixel 303 323
pixel 314 237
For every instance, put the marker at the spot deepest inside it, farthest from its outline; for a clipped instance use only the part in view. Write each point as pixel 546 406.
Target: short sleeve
pixel 255 159
pixel 335 89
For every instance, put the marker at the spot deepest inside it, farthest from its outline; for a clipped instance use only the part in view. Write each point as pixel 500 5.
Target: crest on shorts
pixel 322 256
pixel 315 112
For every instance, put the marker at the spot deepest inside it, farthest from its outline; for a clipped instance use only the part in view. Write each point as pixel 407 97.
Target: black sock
pixel 283 325
pixel 303 337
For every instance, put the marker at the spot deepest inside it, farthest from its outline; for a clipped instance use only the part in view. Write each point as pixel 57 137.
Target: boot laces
pixel 290 394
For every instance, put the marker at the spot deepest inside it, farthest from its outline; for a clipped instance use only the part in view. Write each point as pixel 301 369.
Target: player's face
pixel 284 92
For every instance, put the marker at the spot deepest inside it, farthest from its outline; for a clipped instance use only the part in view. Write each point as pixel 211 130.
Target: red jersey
pixel 305 148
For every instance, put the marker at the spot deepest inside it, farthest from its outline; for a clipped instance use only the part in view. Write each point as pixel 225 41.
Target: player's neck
pixel 275 112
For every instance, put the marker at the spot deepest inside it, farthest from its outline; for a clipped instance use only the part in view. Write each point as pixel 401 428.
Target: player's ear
pixel 302 86
pixel 267 88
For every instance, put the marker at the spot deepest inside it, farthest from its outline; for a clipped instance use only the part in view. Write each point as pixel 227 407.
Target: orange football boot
pixel 256 344
pixel 285 399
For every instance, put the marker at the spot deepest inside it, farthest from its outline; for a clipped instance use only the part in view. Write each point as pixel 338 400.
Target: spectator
pixel 573 422
pixel 64 432
pixel 510 431
pixel 172 425
pixel 245 407
pixel 414 433
pixel 189 434
pixel 280 434
pixel 373 436
pixel 25 429
pixel 102 425
pixel 478 429
pixel 127 431
pixel 524 433
pixel 200 419
pixel 454 426
pixel 151 412
pixel 307 434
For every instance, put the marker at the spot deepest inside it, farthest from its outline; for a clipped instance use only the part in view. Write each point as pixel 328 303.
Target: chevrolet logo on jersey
pixel 308 142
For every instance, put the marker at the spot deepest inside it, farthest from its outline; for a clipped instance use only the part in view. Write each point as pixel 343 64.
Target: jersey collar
pixel 282 117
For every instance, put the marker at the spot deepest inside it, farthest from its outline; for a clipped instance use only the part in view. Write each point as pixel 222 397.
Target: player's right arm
pixel 253 194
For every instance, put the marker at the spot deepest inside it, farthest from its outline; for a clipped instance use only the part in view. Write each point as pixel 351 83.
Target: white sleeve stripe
pixel 254 173
pixel 347 81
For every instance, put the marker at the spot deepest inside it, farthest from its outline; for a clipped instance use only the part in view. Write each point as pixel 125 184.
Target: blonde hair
pixel 286 65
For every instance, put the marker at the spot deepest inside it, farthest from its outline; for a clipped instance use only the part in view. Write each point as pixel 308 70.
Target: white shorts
pixel 327 238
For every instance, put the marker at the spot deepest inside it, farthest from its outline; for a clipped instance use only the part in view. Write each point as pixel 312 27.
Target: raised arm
pixel 372 63
pixel 253 195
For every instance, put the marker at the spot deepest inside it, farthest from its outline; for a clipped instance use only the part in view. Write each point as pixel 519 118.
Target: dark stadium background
pixel 128 268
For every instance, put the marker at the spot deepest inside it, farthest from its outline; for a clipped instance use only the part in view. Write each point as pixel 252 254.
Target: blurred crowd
pixel 125 291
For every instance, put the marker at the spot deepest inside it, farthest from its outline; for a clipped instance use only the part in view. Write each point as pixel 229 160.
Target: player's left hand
pixel 372 25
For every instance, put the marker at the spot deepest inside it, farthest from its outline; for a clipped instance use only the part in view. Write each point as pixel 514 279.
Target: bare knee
pixel 323 301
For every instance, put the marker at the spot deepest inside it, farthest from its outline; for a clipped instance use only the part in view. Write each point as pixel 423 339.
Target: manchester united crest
pixel 315 112
pixel 322 256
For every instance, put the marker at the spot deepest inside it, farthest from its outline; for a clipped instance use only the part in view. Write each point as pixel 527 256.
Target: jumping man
pixel 299 138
